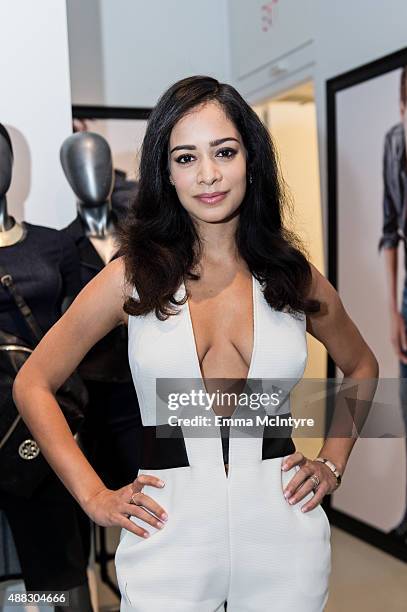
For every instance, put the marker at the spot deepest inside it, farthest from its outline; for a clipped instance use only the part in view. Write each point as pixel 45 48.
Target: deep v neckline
pixel 197 365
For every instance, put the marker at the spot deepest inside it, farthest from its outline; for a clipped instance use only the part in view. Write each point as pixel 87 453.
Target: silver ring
pixel 132 500
pixel 315 480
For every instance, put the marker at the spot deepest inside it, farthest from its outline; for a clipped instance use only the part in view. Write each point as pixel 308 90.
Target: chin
pixel 216 215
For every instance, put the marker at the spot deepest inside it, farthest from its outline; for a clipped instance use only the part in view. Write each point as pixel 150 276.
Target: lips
pixel 212 198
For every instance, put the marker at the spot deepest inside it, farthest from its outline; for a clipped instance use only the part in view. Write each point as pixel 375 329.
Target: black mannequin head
pixel 6 160
pixel 87 163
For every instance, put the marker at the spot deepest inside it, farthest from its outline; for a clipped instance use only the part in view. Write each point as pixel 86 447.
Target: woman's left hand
pixel 300 485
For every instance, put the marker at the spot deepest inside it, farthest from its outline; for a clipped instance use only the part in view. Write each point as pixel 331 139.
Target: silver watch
pixel 332 467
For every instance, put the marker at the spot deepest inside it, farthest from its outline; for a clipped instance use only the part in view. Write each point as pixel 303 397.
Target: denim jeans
pixel 403 366
pixel 403 386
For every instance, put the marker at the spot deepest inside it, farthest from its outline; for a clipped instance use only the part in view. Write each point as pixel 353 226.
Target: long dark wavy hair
pixel 158 240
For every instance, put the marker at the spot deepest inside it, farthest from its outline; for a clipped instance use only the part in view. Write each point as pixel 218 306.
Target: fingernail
pixel 160 525
pixel 161 483
pixel 290 501
pixel 164 516
pixel 283 466
pixel 146 534
pixel 287 494
pixel 304 509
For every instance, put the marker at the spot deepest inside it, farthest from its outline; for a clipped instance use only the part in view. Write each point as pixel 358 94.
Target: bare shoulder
pixel 119 288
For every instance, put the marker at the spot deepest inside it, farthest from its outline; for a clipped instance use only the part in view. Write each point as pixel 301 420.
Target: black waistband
pixel 164 446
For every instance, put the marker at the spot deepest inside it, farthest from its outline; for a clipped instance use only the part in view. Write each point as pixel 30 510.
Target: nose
pixel 208 172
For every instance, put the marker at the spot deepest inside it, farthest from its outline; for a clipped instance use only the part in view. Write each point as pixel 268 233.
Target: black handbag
pixel 22 465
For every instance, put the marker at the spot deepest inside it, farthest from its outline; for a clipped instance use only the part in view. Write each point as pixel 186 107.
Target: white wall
pixel 35 108
pixel 127 52
pixel 85 51
pixel 271 43
pixel 350 34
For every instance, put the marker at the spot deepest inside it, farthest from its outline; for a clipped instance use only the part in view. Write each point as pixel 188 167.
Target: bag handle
pixel 8 283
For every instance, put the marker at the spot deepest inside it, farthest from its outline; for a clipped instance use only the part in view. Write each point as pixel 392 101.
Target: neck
pixel 10 231
pixel 6 222
pixel 218 241
pixel 97 220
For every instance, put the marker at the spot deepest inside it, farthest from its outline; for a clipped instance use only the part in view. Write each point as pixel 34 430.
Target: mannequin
pixel 87 163
pixel 45 268
pixel 111 437
pixel 10 231
pixel 124 189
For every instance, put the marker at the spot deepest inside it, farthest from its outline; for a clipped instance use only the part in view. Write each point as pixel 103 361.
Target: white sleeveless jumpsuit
pixel 229 538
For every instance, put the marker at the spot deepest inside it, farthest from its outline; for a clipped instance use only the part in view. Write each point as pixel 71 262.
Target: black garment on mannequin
pixel 47 534
pixel 107 360
pixel 45 268
pixel 124 191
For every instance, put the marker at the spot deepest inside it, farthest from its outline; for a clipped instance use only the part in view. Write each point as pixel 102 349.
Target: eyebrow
pixel 213 143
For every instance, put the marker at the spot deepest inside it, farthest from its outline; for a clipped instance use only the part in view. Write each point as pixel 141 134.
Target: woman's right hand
pixel 398 335
pixel 113 508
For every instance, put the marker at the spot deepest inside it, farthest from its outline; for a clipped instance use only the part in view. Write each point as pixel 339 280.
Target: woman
pixel 207 221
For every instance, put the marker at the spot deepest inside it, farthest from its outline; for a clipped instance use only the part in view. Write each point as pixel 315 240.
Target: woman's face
pixel 207 156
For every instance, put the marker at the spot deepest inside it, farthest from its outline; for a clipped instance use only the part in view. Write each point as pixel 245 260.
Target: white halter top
pixel 166 349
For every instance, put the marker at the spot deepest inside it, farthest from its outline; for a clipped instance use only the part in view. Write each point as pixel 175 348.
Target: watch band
pixel 332 467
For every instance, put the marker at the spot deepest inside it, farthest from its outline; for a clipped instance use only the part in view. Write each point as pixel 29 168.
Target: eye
pixel 231 153
pixel 178 159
